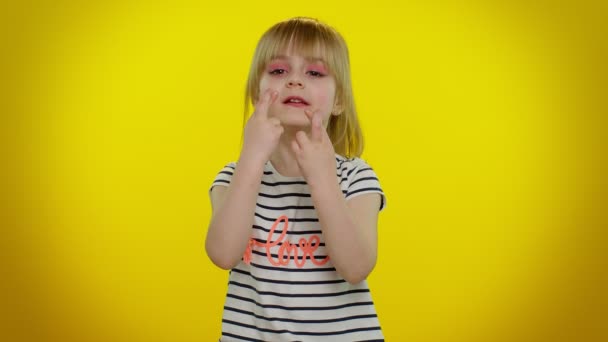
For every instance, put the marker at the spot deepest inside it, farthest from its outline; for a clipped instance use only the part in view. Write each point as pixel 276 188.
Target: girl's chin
pixel 294 120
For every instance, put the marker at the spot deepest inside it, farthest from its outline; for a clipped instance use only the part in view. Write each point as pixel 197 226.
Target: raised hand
pixel 262 133
pixel 315 154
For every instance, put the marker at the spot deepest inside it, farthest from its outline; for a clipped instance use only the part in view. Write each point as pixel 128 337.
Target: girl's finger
pixel 275 121
pixel 316 133
pixel 302 139
pixel 309 114
pixel 296 147
pixel 261 108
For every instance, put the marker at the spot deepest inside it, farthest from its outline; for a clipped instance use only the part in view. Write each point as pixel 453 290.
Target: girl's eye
pixel 315 73
pixel 277 71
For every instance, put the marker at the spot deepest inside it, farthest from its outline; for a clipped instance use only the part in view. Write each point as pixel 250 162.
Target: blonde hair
pixel 312 38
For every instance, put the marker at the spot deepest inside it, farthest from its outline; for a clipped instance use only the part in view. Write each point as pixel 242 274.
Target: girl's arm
pixel 350 230
pixel 233 208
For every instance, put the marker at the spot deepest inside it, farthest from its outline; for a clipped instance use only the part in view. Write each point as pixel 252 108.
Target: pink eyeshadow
pixel 273 66
pixel 319 68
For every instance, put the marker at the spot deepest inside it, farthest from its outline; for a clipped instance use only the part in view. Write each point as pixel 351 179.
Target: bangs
pixel 303 38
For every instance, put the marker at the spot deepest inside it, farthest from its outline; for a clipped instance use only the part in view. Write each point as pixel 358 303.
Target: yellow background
pixel 484 121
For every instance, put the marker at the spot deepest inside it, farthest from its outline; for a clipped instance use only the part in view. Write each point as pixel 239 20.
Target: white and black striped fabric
pixel 286 288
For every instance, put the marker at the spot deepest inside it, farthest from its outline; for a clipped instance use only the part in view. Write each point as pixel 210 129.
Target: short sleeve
pixel 224 177
pixel 363 180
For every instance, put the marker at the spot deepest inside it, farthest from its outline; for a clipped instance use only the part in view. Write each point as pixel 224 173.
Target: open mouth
pixel 295 101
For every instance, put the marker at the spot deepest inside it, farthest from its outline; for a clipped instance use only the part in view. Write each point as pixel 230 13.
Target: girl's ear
pixel 337 110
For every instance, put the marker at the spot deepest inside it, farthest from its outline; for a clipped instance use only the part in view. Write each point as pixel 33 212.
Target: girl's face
pixel 302 84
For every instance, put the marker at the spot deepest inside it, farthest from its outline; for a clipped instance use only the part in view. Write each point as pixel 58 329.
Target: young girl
pixel 295 219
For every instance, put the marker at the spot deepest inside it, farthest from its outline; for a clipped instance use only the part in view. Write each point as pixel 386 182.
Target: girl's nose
pixel 294 84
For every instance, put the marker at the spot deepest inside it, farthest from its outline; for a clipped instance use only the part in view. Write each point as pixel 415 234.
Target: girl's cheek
pixel 273 110
pixel 324 97
pixel 266 82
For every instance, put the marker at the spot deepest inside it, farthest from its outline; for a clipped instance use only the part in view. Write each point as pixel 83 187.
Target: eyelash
pixel 313 73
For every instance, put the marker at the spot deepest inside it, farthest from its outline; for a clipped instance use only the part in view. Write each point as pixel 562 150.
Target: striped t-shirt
pixel 285 288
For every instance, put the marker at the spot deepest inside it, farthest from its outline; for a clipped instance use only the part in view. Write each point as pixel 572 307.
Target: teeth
pixel 295 100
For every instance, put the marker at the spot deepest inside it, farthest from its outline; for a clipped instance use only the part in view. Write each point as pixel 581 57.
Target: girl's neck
pixel 283 158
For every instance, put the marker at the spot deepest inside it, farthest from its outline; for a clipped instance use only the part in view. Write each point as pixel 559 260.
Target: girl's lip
pixel 295 104
pixel 301 102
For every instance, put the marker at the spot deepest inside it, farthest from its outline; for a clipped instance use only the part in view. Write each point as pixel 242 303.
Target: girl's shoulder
pixel 348 164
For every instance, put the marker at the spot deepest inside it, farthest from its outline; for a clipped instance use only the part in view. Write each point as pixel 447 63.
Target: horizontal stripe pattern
pixel 290 291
